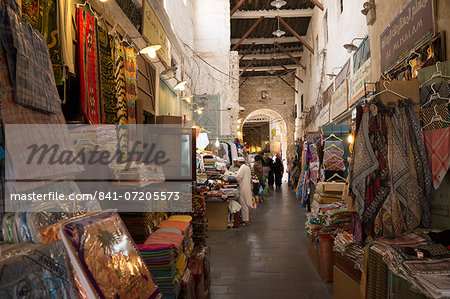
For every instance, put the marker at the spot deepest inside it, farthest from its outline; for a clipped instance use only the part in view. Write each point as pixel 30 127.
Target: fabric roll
pixel 88 67
pixel 105 45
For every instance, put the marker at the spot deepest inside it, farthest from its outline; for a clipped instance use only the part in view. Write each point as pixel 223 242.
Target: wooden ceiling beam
pixel 287 83
pixel 318 4
pixel 247 51
pixel 282 49
pixel 286 69
pixel 248 65
pixel 270 56
pixel 285 13
pixel 248 33
pixel 294 33
pixel 267 68
pixel 265 41
pixel 238 5
pixel 246 78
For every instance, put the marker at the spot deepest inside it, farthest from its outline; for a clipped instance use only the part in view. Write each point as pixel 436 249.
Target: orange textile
pixel 183 226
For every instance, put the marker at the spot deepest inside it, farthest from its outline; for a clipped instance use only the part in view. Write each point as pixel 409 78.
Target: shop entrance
pixel 266 130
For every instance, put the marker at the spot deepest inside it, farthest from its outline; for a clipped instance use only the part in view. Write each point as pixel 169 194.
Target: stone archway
pixel 281 123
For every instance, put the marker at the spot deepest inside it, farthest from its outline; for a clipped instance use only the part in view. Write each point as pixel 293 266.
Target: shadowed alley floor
pixel 269 258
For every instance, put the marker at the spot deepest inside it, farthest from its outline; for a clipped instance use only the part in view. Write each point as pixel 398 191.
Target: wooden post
pixel 248 65
pixel 318 4
pixel 239 4
pixel 292 31
pixel 247 33
pixel 286 69
pixel 247 51
pixel 290 55
pixel 286 82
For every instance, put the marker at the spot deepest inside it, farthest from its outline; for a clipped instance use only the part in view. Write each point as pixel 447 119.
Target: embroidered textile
pixel 122 113
pixel 437 144
pixel 88 67
pixel 29 64
pixel 105 44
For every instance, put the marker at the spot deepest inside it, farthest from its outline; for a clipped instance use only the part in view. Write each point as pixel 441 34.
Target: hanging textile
pixel 43 16
pixel 365 162
pixel 66 32
pixel 122 113
pixel 437 144
pixel 105 45
pixel 91 105
pixel 29 64
pixel 130 82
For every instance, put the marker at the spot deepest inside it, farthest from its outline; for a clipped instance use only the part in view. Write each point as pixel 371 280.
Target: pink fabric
pixel 165 238
pixel 437 145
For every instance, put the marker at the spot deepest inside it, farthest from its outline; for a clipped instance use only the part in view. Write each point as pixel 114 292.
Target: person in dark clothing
pixel 278 170
pixel 270 179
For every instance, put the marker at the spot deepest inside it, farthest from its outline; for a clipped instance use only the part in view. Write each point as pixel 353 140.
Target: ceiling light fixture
pixel 217 144
pixel 351 47
pixel 278 3
pixel 150 50
pixel 332 74
pixel 180 86
pixel 187 99
pixel 279 33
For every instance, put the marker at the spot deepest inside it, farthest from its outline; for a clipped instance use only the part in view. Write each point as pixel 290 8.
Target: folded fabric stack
pixel 165 250
pixel 337 216
pixel 328 192
pixel 209 163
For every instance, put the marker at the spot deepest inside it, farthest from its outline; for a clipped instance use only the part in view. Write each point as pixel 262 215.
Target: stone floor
pixel 269 258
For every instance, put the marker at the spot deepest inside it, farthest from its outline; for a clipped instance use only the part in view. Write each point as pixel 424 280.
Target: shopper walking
pixel 245 189
pixel 278 170
pixel 269 163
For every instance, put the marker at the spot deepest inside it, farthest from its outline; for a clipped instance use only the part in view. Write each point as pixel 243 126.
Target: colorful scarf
pixel 122 115
pixel 365 162
pixel 130 82
pixel 426 116
pixel 105 45
pixel 42 15
pixel 437 144
pixel 88 67
pixel 377 188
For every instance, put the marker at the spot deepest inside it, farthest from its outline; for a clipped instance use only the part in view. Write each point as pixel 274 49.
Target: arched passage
pixel 278 119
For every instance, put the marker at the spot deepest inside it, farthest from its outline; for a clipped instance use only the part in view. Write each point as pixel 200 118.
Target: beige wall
pixel 386 10
pixel 279 92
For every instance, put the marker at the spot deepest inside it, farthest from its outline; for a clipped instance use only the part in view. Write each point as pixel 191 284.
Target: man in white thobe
pixel 245 189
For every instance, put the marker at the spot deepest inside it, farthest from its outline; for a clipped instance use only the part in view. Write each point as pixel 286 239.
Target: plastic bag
pixel 234 206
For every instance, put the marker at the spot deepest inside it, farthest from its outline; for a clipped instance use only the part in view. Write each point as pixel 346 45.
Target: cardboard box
pixel 217 213
pixel 344 287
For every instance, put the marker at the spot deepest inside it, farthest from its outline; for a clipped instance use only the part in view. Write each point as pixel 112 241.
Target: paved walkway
pixel 269 258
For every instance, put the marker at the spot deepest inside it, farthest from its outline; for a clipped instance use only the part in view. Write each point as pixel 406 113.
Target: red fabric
pixel 437 145
pixel 88 67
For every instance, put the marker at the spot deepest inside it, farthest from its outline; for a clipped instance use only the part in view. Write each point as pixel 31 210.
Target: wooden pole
pixel 247 51
pixel 292 31
pixel 247 33
pixel 248 65
pixel 290 55
pixel 286 82
pixel 239 4
pixel 286 69
pixel 318 4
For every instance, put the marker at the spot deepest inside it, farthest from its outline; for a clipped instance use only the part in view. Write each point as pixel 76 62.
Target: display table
pixel 217 213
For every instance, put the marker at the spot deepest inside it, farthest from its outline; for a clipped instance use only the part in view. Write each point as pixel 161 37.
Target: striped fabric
pixel 122 115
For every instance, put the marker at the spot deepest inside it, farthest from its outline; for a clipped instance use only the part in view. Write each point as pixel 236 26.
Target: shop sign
pixel 407 31
pixel 361 54
pixel 274 132
pixel 153 30
pixel 339 101
pixel 357 82
pixel 343 75
pixel 324 115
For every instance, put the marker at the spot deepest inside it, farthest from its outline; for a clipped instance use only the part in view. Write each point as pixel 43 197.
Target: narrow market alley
pixel 269 258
